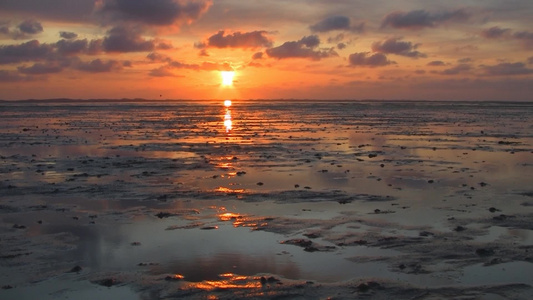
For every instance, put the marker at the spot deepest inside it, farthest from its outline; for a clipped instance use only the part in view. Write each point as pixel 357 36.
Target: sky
pixel 278 49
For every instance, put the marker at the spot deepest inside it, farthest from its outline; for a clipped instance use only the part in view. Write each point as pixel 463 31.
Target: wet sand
pixel 266 199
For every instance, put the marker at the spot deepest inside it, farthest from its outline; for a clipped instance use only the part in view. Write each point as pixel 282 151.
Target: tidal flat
pixel 266 200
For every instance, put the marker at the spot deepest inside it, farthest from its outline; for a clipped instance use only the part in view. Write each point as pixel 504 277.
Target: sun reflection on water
pixel 228 123
pixel 229 281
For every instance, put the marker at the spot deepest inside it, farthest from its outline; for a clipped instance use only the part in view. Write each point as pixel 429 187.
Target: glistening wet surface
pixel 194 199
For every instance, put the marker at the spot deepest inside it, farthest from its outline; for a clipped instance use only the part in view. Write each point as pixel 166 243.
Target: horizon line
pixel 86 100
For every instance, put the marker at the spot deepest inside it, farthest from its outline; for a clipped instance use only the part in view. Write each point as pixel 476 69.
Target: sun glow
pixel 227 77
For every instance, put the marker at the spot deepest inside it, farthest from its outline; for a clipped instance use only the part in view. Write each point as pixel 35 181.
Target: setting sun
pixel 227 77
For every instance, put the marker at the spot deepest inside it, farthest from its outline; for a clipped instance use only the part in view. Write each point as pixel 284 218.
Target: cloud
pixel 505 69
pixel 11 76
pixel 23 31
pixel 4 27
pixel 164 45
pixel 257 55
pixel 336 23
pixel 464 60
pixel 336 39
pixel 210 66
pixel 155 12
pixel 30 27
pixel 29 51
pixel 67 47
pixel 126 39
pixel 157 57
pixel 418 19
pixel 495 32
pixel 98 66
pixel 395 46
pixel 304 48
pixel 253 39
pixel 95 47
pixel 172 64
pixel 203 52
pixel 436 63
pixel 163 71
pixel 180 65
pixel 41 69
pixel 525 37
pixel 57 10
pixel 374 60
pixel 461 68
pixel 68 35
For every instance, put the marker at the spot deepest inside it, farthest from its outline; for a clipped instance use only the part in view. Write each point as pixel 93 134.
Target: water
pixel 361 181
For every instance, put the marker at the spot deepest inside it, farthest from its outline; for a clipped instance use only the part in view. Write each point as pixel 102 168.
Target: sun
pixel 227 77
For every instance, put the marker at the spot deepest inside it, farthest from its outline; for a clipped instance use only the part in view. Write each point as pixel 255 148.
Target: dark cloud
pixel 210 66
pixel 395 46
pixel 495 32
pixel 530 60
pixel 257 55
pixel 506 69
pixel 164 45
pixel 341 46
pixel 24 30
pixel 436 63
pixel 525 37
pixel 180 65
pixel 30 27
pixel 461 68
pixel 337 23
pixel 95 47
pixel 57 10
pixel 254 39
pixel 4 27
pixel 304 48
pixel 203 52
pixel 41 69
pixel 157 57
pixel 205 66
pixel 98 66
pixel 68 47
pixel 363 59
pixel 12 76
pixel 126 39
pixel 68 35
pixel 418 19
pixel 155 12
pixel 163 71
pixel 336 39
pixel 29 51
pixel 76 47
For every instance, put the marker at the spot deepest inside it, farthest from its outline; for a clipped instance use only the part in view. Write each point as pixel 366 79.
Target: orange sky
pixel 305 49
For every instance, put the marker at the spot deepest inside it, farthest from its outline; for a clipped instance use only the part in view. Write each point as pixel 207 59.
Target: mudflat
pixel 266 199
